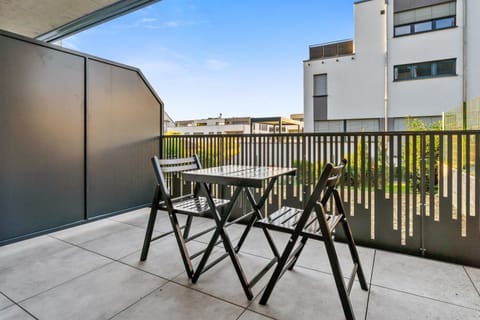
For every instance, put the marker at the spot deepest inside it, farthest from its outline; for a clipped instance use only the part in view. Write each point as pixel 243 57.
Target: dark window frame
pixel 434 26
pixel 433 68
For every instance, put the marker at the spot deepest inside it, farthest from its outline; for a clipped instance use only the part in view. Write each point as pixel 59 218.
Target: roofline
pixel 283 120
pixel 330 42
pixel 94 18
pixel 332 57
pixel 361 1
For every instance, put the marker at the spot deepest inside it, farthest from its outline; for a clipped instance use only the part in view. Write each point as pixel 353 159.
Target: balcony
pixel 331 49
pixel 93 272
pixel 412 200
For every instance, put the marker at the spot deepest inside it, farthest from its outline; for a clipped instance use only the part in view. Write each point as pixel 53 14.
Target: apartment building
pixel 408 58
pixel 168 122
pixel 219 125
pixel 239 125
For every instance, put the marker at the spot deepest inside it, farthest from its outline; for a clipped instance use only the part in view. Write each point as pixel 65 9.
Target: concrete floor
pixel 93 272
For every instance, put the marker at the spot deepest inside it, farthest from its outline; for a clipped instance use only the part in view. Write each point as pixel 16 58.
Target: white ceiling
pixel 32 18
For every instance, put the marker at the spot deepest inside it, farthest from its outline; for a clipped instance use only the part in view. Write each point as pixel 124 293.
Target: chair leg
pixel 151 224
pixel 181 244
pixel 188 225
pixel 339 281
pixel 335 265
pixel 277 273
pixel 354 254
pixel 303 242
pixel 351 242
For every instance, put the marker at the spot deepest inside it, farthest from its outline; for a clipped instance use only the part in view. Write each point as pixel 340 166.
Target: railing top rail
pixel 333 134
pixel 330 43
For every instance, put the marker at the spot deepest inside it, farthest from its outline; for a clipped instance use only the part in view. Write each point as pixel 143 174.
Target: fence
pixel 468 116
pixel 412 192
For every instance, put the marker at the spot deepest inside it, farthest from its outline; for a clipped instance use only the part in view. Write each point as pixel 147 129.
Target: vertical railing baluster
pixel 422 193
pixel 432 174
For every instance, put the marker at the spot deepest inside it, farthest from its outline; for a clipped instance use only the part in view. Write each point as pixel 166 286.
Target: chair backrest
pixel 161 166
pixel 327 183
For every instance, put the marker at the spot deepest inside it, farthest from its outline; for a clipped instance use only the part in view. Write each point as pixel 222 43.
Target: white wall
pixel 473 45
pixel 432 96
pixel 355 87
pixel 212 128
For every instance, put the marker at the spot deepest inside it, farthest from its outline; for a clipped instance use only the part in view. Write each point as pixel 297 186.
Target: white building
pixel 239 125
pixel 168 122
pixel 213 126
pixel 409 58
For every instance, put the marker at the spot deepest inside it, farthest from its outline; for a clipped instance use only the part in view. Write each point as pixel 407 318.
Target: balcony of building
pixel 331 49
pixel 93 272
pixel 77 133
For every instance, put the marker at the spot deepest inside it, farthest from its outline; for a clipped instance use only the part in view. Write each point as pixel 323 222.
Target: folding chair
pixel 191 205
pixel 313 222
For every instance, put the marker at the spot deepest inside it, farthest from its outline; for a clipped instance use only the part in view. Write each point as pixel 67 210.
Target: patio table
pixel 243 178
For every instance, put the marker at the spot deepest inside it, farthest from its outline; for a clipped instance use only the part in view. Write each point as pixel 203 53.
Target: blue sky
pixel 205 57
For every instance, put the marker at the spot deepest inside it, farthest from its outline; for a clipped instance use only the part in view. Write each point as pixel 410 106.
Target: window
pixel 320 111
pixel 425 19
pixel 319 85
pixel 445 23
pixel 329 126
pixel 363 125
pixel 446 67
pixel 402 30
pixel 403 72
pixel 422 26
pixel 423 70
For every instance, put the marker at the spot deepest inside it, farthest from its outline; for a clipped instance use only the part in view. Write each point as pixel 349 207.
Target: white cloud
pixel 144 20
pixel 70 42
pixel 173 24
pixel 215 64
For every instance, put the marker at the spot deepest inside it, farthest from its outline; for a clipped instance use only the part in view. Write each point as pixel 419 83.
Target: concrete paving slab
pixel 118 244
pixel 4 302
pixel 40 268
pixel 90 231
pixel 176 302
pixel 474 274
pixel 315 256
pixel 222 282
pixel 14 313
pixel 308 294
pixel 428 278
pixel 139 218
pixel 23 252
pixel 164 257
pixel 390 304
pixel 250 315
pixel 97 295
pixel 257 244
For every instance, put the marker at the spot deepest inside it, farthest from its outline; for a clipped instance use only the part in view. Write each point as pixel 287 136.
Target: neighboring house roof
pixel 51 20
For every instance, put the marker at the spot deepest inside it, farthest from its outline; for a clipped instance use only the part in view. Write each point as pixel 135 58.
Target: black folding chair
pixel 313 222
pixel 191 205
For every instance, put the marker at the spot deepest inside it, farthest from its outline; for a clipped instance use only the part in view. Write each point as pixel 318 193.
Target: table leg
pixel 258 215
pixel 221 220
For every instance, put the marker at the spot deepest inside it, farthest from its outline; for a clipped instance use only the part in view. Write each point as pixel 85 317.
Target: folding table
pixel 243 178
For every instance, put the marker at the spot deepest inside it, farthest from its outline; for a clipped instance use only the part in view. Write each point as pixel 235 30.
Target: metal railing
pixel 331 49
pixel 412 192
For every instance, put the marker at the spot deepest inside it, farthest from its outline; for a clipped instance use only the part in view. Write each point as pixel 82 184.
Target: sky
pixel 206 57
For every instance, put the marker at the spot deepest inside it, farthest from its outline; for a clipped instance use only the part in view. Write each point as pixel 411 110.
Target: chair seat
pixel 195 205
pixel 286 219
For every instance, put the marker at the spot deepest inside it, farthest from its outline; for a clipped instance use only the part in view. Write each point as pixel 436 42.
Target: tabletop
pixel 238 175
